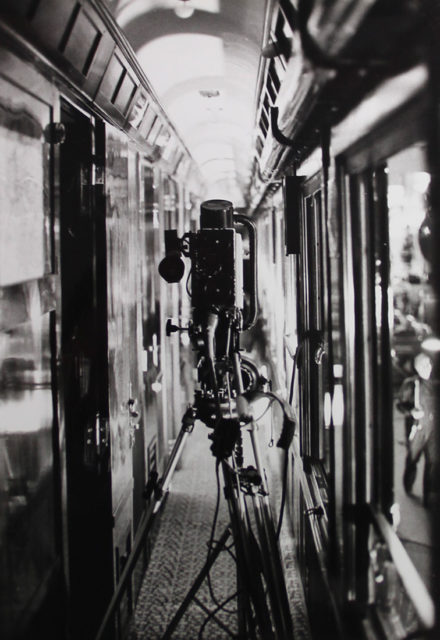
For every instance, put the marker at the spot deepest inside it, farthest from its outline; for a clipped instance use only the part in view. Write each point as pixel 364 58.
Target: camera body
pixel 218 262
pixel 223 305
pixel 217 269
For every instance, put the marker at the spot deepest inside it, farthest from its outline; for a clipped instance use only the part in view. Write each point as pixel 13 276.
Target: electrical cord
pixel 255 546
pixel 212 541
pixel 286 453
pixel 233 556
pixel 220 607
pixel 283 494
pixel 187 283
pixel 272 400
pixel 213 527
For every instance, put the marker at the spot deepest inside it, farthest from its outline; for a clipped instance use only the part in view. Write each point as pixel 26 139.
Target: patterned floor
pixel 179 552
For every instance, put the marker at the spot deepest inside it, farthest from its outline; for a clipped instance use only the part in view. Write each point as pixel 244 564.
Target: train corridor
pixel 277 163
pixel 179 549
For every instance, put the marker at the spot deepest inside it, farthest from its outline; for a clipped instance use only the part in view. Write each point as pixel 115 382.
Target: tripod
pixel 262 601
pixel 224 303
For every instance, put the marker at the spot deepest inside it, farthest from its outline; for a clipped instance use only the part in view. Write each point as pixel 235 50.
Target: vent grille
pixel 281 35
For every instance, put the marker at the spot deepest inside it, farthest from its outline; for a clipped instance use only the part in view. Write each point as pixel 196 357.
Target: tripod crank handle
pixel 172 328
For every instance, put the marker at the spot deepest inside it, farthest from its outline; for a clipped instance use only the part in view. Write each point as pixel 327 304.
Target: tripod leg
pixel 196 585
pixel 176 452
pixel 254 610
pixel 144 528
pixel 270 554
pixel 246 622
pixel 272 568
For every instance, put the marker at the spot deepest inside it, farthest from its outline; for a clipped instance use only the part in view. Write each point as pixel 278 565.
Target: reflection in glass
pixel 414 375
pixel 138 110
pixel 27 544
pixel 24 162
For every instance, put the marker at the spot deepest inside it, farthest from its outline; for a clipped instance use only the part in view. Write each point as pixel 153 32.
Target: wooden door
pixel 84 357
pixel 127 459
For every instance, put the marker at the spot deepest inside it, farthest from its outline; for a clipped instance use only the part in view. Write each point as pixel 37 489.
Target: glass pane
pixel 414 385
pixel 316 326
pixel 27 541
pixel 151 363
pixel 150 274
pixel 24 162
pixel 172 302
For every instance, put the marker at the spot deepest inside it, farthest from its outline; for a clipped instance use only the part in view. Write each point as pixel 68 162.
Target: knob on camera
pixel 172 267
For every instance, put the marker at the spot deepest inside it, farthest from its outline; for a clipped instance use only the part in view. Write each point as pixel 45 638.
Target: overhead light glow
pixel 209 93
pixel 183 9
pixel 132 10
pixel 338 405
pixel 184 57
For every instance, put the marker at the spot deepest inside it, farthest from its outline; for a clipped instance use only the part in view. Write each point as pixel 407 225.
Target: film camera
pixel 218 266
pixel 224 303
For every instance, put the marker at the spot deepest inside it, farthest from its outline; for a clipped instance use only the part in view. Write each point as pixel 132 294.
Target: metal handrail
pixel 413 583
pixel 142 532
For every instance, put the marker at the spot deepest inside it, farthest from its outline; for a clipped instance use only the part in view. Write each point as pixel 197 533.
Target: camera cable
pixel 212 542
pixel 286 451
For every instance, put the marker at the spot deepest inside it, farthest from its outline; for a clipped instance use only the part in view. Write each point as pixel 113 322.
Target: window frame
pixel 368 477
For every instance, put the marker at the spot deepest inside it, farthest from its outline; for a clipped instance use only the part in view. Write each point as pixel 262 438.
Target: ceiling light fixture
pixel 209 93
pixel 183 9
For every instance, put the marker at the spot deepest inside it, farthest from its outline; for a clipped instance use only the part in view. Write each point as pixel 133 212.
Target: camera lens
pixel 216 214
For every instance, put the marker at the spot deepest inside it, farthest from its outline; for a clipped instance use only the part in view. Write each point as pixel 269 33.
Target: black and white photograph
pixel 219 319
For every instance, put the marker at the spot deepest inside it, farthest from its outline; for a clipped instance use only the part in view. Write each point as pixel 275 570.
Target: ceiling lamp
pixel 183 9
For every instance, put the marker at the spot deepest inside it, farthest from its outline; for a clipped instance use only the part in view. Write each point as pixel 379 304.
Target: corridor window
pixel 413 351
pixel 395 352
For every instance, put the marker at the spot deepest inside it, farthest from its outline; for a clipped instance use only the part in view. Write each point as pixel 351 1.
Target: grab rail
pixel 414 585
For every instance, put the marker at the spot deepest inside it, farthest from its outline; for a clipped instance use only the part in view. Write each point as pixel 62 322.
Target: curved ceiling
pixel 204 71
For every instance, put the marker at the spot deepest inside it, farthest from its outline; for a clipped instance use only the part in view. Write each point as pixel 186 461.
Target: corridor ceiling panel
pixel 204 70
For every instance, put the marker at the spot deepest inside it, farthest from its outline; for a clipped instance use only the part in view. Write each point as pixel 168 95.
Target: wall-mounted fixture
pixel 183 9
